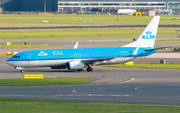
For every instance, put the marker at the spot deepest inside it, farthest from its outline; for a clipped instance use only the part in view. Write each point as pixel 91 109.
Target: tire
pixel 89 69
pixel 21 71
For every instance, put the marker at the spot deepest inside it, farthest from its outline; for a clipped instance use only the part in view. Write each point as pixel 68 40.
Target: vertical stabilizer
pixel 148 36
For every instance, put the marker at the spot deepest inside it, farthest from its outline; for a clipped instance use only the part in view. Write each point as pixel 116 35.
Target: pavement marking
pixel 92 95
pixel 74 91
pixel 131 79
pixel 139 88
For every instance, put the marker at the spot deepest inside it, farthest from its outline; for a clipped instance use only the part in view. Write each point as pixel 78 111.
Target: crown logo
pixel 148 32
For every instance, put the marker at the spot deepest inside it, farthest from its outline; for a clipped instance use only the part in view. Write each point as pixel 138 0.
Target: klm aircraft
pixel 80 58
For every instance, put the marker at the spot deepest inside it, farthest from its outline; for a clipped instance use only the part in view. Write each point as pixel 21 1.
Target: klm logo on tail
pixel 148 35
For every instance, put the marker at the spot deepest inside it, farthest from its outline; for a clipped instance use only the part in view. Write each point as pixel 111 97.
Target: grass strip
pixel 11 105
pixel 80 33
pixel 8 25
pixel 146 65
pixel 4 55
pixel 85 19
pixel 25 46
pixel 157 41
pixel 45 81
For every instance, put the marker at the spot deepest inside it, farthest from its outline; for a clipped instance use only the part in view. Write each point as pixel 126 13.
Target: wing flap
pixel 87 61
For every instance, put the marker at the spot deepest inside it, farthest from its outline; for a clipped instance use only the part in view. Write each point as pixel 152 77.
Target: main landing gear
pixel 22 71
pixel 89 69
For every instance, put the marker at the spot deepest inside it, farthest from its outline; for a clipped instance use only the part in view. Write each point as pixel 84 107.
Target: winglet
pixel 135 51
pixel 76 45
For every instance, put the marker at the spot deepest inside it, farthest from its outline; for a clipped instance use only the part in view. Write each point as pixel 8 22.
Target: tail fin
pixel 148 36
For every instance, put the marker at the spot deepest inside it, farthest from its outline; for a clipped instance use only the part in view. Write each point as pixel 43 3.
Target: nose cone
pixel 9 61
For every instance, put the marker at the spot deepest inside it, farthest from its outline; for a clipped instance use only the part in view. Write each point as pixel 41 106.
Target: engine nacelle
pixel 75 65
pixel 58 67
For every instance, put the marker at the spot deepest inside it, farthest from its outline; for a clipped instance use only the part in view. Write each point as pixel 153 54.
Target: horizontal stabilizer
pixel 158 48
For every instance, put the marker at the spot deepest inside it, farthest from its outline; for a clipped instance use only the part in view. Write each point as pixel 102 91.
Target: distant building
pixel 101 6
pixel 106 6
pixel 29 5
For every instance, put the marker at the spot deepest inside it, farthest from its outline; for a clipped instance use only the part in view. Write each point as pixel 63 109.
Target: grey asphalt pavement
pixel 146 86
pixel 90 26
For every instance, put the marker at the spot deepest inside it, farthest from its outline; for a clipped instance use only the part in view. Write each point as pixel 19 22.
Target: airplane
pixel 80 58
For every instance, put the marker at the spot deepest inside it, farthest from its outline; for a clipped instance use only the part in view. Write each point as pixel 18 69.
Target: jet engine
pixel 59 67
pixel 75 65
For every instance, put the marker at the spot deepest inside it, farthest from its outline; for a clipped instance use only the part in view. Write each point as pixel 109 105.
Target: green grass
pixel 168 41
pixel 4 55
pixel 147 66
pixel 96 19
pixel 45 81
pixel 25 46
pixel 35 25
pixel 10 105
pixel 128 41
pixel 80 33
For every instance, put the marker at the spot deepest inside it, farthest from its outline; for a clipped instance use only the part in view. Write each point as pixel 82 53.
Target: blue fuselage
pixel 81 53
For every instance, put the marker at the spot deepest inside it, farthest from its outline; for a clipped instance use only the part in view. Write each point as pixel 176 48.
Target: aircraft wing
pixel 88 61
pixel 92 60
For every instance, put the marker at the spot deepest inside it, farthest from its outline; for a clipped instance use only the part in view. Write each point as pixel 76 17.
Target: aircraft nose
pixel 9 62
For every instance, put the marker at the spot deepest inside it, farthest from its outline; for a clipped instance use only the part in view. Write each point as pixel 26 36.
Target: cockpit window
pixel 16 57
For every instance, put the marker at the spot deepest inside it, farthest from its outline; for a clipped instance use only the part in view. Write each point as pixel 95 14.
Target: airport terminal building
pixel 101 6
pixel 106 6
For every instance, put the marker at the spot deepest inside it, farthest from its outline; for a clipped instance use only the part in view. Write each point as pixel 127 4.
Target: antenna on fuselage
pixel 76 45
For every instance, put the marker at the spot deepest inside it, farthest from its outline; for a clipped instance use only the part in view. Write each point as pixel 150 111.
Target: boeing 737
pixel 80 58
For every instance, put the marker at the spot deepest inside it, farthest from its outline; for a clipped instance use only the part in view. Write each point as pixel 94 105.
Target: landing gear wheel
pixel 89 69
pixel 22 71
